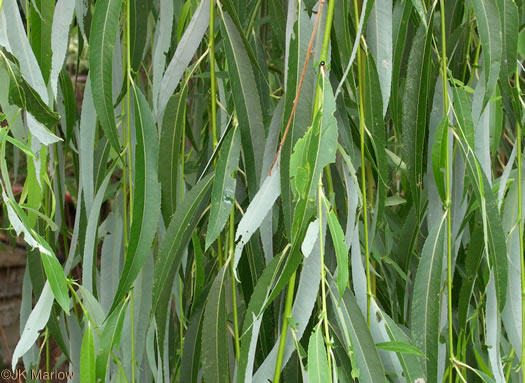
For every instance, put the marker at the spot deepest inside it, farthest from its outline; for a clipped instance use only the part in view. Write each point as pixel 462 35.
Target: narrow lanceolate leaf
pixel 489 28
pixel 353 326
pixel 190 362
pixel 36 322
pixel 509 19
pixel 338 238
pixel 298 47
pixel 439 153
pixel 146 205
pixel 109 338
pixel 425 305
pixel 223 193
pixel 214 332
pixel 41 16
pixel 24 96
pixel 494 236
pixel 186 48
pixel 318 370
pixel 415 102
pixel 170 151
pixel 16 42
pixel 247 103
pixel 57 279
pixel 87 357
pixel 175 241
pixel 401 15
pixel 102 41
pixel 411 364
pixel 376 126
pixel 139 12
pixel 379 39
pixel 62 19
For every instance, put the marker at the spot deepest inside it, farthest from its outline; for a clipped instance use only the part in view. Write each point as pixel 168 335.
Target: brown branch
pixel 296 100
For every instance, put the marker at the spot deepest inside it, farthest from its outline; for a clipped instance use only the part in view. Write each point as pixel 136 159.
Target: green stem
pixel 363 168
pixel 234 287
pixel 130 181
pixel 324 314
pixel 520 226
pixel 213 102
pixel 284 329
pixel 448 202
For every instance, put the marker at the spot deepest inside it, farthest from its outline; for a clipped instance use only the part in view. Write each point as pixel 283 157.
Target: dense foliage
pixel 267 190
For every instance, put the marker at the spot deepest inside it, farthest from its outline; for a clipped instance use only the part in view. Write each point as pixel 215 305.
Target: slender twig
pixel 448 203
pixel 520 228
pixel 284 329
pixel 296 100
pixel 4 338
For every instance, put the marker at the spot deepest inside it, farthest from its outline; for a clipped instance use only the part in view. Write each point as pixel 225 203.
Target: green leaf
pixel 425 305
pixel 338 238
pixel 139 13
pixel 40 36
pixel 37 321
pixel 109 338
pixel 509 19
pixel 146 205
pixel 170 151
pixel 353 325
pixel 415 106
pixel 439 157
pixel 101 44
pixel 214 345
pixel 379 39
pixel 302 118
pixel 411 364
pixel 173 244
pixel 24 96
pixel 401 15
pixel 191 354
pixel 376 126
pixel 62 19
pixel 57 279
pixel 490 35
pixel 185 51
pixel 87 357
pixel 247 103
pixel 400 347
pixel 318 370
pixel 223 192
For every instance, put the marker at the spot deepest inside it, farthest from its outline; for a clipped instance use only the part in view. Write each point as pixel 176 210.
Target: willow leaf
pixel 247 103
pixel 173 244
pixel 170 152
pixel 62 19
pixel 87 357
pixel 298 46
pixel 376 126
pixel 146 206
pixel 425 306
pixel 490 35
pixel 109 338
pixel 214 332
pixel 341 252
pixel 23 95
pixel 318 370
pixel 415 100
pixel 352 323
pixel 139 12
pixel 37 321
pixel 101 44
pixel 223 192
pixel 379 38
pixel 185 51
